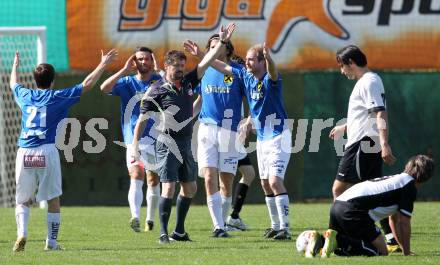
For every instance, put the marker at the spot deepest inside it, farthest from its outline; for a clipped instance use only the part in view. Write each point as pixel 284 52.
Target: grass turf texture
pixel 101 235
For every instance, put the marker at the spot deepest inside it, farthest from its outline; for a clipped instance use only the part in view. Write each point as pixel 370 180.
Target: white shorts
pixel 37 174
pixel 273 155
pixel 147 157
pixel 217 147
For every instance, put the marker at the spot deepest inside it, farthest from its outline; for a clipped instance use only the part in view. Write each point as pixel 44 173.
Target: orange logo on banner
pixel 136 15
pixel 288 13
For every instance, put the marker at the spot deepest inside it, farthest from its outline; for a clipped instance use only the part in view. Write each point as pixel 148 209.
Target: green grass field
pixel 101 235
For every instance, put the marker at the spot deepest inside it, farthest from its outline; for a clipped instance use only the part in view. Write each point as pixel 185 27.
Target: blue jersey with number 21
pixel 42 110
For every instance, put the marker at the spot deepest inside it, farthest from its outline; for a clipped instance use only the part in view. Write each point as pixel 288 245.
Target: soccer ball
pixel 302 240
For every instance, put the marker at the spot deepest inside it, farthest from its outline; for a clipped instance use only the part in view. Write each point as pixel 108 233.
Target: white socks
pixel 214 202
pixel 53 226
pixel 153 195
pixel 273 212
pixel 22 220
pixel 135 197
pixel 282 204
pixel 226 206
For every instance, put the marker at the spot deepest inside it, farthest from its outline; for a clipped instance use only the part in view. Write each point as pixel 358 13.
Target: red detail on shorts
pixel 34 161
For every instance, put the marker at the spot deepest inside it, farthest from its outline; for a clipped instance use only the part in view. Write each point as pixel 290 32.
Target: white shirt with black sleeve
pixel 383 197
pixel 367 98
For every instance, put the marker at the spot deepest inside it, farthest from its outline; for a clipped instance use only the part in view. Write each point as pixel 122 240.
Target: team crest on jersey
pixel 256 95
pixel 228 79
pixel 259 85
pixel 190 92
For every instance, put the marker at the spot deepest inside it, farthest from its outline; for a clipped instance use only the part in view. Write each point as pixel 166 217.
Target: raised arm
pixel 225 35
pixel 93 77
pixel 270 65
pixel 192 48
pixel 14 71
pixel 110 82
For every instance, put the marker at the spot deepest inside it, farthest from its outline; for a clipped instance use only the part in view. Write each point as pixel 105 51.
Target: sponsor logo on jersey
pixel 228 79
pixel 217 89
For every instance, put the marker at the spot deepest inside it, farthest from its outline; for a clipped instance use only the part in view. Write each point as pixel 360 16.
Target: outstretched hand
pixel 225 33
pixel 266 52
pixel 192 48
pixel 16 63
pixel 108 58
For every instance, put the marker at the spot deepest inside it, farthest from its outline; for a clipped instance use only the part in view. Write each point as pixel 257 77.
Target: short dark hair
pixel 238 59
pixel 353 53
pixel 44 75
pixel 229 47
pixel 173 56
pixel 143 49
pixel 420 167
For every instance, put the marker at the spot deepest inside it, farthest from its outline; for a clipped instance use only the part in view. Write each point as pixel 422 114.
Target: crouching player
pixel 37 166
pixel 353 215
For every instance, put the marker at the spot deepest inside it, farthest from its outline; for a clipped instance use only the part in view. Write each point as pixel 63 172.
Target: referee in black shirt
pixel 173 98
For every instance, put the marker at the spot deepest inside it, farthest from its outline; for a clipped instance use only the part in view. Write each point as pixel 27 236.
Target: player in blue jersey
pixel 38 170
pixel 220 106
pixel 263 90
pixel 130 89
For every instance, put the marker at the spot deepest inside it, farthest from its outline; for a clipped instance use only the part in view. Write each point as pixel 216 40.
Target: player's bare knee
pixel 189 189
pixel 266 187
pixel 53 205
pixel 152 179
pixel 168 189
pixel 136 173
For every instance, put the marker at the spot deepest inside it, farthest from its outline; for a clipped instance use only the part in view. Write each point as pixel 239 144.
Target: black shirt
pixel 176 105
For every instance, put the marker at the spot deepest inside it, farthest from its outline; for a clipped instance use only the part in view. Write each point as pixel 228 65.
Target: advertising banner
pixel 302 35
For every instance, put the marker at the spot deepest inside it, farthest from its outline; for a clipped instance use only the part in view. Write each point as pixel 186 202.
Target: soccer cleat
pixel 283 234
pixel 236 223
pixel 220 233
pixel 53 248
pixel 394 248
pixel 135 225
pixel 149 226
pixel 314 245
pixel 164 239
pixel 270 233
pixel 19 244
pixel 330 243
pixel 177 237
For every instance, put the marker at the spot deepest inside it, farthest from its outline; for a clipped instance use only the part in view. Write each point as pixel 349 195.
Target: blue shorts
pixel 170 168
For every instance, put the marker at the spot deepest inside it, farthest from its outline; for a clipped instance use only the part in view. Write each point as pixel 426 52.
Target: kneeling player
pixel 353 215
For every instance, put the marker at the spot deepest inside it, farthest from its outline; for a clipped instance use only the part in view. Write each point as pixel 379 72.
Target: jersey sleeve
pixel 373 94
pixel 150 100
pixel 408 196
pixel 19 92
pixel 198 89
pixel 119 86
pixel 191 79
pixel 271 83
pixel 70 96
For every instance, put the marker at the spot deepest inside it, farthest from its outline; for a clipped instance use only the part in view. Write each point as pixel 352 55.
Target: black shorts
pixel 245 161
pixel 170 168
pixel 348 220
pixel 357 166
